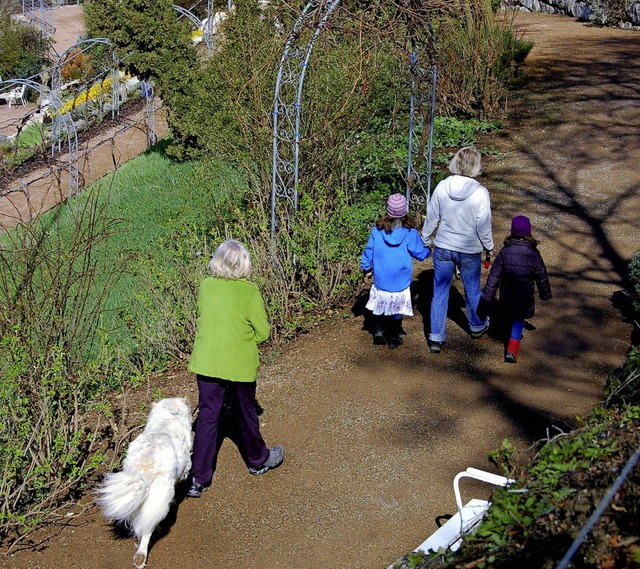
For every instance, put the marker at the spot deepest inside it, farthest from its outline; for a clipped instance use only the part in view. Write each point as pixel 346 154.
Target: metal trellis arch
pixel 197 22
pixel 56 82
pixel 422 103
pixel 286 105
pixel 68 124
pixel 207 34
pixel 287 109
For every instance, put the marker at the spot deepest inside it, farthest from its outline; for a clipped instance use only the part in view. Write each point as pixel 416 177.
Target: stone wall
pixel 601 11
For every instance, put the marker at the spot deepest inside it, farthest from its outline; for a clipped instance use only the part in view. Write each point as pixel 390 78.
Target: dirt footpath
pixel 374 437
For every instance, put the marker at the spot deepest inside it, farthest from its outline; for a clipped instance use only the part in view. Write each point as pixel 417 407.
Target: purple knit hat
pixel 520 226
pixel 397 206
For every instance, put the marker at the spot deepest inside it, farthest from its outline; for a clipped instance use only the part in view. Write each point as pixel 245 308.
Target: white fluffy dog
pixel 140 495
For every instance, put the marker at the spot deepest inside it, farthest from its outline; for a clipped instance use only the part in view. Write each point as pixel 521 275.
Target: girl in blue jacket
pixel 392 243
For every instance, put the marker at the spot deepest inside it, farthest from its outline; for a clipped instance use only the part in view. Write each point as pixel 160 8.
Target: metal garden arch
pixel 56 81
pixel 287 109
pixel 69 128
pixel 424 78
pixel 63 126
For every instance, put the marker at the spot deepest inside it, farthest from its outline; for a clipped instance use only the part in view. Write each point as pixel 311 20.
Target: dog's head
pixel 177 406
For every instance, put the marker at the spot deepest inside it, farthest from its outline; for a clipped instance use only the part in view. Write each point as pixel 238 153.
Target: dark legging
pixel 244 430
pixel 516 330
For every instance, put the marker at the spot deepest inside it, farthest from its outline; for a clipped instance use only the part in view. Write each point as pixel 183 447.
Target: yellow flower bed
pixel 88 95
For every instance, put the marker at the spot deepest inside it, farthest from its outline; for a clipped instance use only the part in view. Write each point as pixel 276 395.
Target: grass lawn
pixel 153 198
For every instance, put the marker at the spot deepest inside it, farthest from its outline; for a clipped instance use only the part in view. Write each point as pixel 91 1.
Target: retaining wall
pixel 600 11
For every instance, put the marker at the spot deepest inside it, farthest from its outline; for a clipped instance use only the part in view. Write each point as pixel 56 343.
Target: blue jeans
pixel 444 263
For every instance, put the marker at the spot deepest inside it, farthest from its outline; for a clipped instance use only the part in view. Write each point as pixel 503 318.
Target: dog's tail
pixel 155 508
pixel 121 495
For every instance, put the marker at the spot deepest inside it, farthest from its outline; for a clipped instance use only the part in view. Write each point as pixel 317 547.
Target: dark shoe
pixel 393 343
pixel 276 456
pixel 378 338
pixel 480 333
pixel 196 489
pixel 510 358
pixel 435 347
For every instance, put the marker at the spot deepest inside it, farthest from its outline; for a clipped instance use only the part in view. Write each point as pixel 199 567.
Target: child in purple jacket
pixel 516 271
pixel 392 244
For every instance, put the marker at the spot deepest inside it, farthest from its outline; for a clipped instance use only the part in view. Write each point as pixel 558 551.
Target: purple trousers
pixel 243 428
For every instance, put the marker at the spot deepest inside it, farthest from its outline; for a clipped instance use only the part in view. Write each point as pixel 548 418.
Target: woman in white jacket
pixel 459 214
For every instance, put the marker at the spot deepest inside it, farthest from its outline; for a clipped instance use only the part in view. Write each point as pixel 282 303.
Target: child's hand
pixel 367 274
pixel 483 309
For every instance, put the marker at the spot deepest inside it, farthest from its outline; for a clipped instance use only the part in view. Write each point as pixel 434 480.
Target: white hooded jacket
pixel 460 211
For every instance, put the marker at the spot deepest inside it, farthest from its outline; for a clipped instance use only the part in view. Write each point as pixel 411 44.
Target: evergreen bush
pixel 21 54
pixel 151 43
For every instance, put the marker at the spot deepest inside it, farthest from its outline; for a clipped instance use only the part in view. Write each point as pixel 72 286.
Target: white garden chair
pixel 449 536
pixel 14 95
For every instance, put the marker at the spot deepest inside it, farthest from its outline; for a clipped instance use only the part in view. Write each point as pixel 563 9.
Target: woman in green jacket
pixel 231 323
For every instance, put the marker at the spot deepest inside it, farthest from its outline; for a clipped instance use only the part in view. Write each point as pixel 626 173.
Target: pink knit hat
pixel 397 206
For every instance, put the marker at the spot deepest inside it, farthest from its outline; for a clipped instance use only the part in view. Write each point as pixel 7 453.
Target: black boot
pixel 394 331
pixel 378 331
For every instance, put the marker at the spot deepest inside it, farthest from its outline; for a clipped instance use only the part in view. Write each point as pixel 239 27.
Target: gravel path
pixel 373 436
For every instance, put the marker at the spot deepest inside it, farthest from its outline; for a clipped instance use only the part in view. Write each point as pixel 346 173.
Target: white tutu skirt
pixel 386 303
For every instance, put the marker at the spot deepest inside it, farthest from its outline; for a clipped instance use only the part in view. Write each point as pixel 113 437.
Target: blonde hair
pixel 230 261
pixel 466 162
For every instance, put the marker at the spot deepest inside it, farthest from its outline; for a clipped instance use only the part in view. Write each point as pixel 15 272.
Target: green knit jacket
pixel 231 323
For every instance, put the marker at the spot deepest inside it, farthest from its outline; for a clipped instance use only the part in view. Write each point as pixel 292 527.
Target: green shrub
pixel 29 65
pixel 623 384
pixel 478 55
pixel 133 27
pixel 450 132
pixel 22 51
pixel 51 311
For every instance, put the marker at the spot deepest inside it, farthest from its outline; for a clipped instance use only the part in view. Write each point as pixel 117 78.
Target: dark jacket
pixel 515 270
